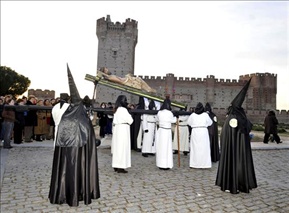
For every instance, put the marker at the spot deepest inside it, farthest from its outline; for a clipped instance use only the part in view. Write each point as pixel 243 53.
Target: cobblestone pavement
pixel 145 188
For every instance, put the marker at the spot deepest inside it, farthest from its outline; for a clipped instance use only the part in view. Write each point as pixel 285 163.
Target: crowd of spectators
pixel 22 125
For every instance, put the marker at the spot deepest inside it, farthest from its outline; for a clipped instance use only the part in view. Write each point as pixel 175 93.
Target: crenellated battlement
pixel 229 82
pixel 193 79
pixel 266 74
pixel 106 24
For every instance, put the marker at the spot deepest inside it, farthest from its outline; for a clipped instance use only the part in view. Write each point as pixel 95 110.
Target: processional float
pixel 102 81
pixel 99 80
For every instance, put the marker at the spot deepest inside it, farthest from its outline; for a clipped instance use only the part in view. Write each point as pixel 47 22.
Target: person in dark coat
pixel 102 121
pixel 236 171
pixel 30 120
pixel 8 115
pixel 213 134
pixel 20 122
pixel 271 123
pixel 74 175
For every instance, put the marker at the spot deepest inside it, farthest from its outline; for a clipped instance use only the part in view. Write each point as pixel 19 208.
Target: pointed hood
pixel 239 99
pixel 208 107
pixel 199 109
pixel 166 104
pixel 74 95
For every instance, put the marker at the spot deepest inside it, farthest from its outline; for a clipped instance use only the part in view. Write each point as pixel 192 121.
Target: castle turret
pixel 116 51
pixel 262 91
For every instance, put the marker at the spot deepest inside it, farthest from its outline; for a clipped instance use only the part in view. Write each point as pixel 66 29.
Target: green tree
pixel 12 83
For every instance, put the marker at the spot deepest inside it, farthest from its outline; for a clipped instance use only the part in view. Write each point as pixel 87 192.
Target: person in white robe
pixel 200 150
pixel 149 129
pixel 164 154
pixel 58 110
pixel 121 146
pixel 183 136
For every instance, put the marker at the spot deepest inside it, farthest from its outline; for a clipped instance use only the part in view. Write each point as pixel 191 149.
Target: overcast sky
pixel 186 38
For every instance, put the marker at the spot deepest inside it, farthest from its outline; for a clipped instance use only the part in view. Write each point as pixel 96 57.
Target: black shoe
pixel 280 142
pixel 164 168
pixel 115 169
pixel 186 153
pixel 152 154
pixel 121 171
pixel 145 155
pixel 175 152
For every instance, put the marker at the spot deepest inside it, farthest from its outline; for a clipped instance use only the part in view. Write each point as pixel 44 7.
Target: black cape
pixel 75 166
pixel 236 169
pixel 214 138
pixel 136 125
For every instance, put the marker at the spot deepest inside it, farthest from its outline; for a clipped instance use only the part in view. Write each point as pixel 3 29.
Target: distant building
pixel 218 92
pixel 42 94
pixel 116 51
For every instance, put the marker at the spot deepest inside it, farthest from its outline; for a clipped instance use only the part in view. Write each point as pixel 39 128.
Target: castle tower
pixel 116 51
pixel 262 92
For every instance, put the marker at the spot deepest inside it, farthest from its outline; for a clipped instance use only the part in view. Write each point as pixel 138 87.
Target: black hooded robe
pixel 136 125
pixel 75 166
pixel 214 138
pixel 236 169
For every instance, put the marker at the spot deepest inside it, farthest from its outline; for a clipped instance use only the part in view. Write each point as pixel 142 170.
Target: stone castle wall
pixel 42 94
pixel 218 92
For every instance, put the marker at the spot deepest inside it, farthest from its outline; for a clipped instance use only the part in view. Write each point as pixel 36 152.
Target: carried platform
pixel 99 80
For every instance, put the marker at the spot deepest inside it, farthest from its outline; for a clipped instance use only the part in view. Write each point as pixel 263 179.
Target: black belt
pixel 122 123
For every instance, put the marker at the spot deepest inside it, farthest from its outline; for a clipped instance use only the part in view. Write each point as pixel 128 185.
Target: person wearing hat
pixel 236 171
pixel 74 175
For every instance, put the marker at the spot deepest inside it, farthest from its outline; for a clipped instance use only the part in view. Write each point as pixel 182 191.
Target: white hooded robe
pixel 200 148
pixel 164 151
pixel 184 134
pixel 149 123
pixel 120 145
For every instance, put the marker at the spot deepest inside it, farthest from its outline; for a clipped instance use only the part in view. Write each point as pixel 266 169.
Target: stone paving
pixel 145 188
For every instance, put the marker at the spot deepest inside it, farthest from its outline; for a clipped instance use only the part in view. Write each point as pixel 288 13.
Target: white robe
pixel 184 134
pixel 149 123
pixel 200 150
pixel 120 145
pixel 164 154
pixel 57 113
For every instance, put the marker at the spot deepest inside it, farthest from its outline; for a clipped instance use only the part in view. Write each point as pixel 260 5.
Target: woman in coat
pixel 270 124
pixel 121 150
